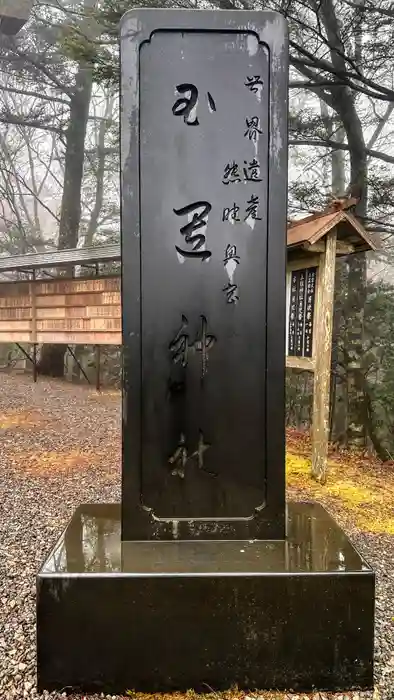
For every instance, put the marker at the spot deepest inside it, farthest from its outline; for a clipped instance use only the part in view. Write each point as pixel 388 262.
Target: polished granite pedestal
pixel 162 616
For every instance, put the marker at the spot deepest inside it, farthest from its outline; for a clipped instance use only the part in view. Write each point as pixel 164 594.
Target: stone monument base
pixel 162 616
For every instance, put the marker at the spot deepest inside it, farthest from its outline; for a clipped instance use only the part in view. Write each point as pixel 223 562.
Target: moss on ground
pixel 361 486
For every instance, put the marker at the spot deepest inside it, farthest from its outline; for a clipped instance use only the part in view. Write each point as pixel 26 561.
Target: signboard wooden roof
pixel 309 231
pixel 61 258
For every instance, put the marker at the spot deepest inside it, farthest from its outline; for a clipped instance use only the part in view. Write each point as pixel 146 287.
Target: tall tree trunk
pixel 70 215
pixel 344 105
pixel 100 170
pixel 52 356
pixel 338 178
pixel 338 407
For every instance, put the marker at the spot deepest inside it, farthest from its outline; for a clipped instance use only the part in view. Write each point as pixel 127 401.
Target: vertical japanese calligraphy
pixel 309 310
pixel 231 256
pixel 197 240
pixel 186 106
pixel 180 346
pixel 250 172
pixel 292 313
pixel 180 457
pixel 247 211
pixel 251 211
pixel 300 316
pixel 254 84
pixel 301 312
pixel 231 214
pixel 231 173
pixel 253 129
pixel 203 228
pixel 231 260
pixel 234 173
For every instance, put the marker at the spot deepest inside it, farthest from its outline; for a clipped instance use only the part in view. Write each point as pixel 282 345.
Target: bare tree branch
pixel 40 66
pixel 21 121
pixel 380 126
pixel 33 194
pixel 339 146
pixel 30 93
pixel 378 92
pixel 372 8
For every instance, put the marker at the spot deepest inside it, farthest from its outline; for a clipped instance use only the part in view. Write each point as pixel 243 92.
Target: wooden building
pixel 78 311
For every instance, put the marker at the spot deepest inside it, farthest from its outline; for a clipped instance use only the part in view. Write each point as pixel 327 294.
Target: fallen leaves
pixel 111 394
pixel 236 694
pixel 48 463
pixel 19 419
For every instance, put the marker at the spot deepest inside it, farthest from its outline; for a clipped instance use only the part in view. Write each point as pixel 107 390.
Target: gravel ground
pixel 60 448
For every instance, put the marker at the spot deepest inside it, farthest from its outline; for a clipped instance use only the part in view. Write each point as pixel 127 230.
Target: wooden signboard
pixel 302 300
pixel 73 312
pixel 310 299
pixel 301 312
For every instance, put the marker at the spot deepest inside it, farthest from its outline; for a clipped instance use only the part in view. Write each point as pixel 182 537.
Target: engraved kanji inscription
pixel 254 83
pixel 231 291
pixel 251 211
pixel 231 173
pixel 184 106
pixel 181 347
pixel 199 267
pixel 231 213
pixel 180 457
pixel 204 344
pixel 231 260
pixel 252 171
pixel 231 254
pixel 253 130
pixel 199 220
pixel 202 447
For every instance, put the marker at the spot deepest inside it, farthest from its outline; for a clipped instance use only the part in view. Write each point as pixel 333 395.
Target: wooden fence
pixel 70 311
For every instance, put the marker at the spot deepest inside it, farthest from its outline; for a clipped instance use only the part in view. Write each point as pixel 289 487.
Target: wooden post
pixel 98 361
pixel 322 376
pixel 35 362
pixel 33 300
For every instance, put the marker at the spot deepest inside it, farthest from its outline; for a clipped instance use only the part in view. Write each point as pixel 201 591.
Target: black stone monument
pixel 204 145
pixel 201 578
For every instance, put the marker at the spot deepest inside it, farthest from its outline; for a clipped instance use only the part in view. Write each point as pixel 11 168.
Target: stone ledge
pixel 165 616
